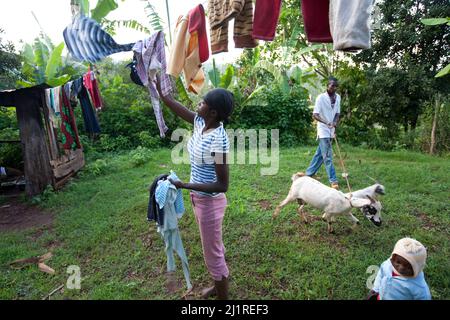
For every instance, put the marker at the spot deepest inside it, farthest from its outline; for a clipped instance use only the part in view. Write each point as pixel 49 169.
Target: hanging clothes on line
pixel 185 52
pixel 350 24
pixel 70 139
pixel 79 91
pixel 54 122
pixel 134 76
pixel 90 83
pixel 267 13
pixel 220 12
pixel 87 41
pixel 197 28
pixel 54 117
pixel 151 63
pixel 316 19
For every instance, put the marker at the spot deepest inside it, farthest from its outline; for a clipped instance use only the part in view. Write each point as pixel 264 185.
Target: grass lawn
pixel 100 225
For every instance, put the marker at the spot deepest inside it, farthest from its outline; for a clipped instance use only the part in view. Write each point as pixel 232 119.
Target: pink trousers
pixel 209 212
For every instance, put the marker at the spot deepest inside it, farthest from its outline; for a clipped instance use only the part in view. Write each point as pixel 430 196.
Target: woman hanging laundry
pixel 208 149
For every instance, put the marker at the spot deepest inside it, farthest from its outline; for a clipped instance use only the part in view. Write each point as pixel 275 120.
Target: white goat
pixel 306 190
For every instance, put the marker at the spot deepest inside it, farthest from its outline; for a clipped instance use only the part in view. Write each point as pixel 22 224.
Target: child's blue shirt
pixel 392 287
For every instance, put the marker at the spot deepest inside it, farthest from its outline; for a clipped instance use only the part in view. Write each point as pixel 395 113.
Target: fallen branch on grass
pixel 54 291
pixel 22 263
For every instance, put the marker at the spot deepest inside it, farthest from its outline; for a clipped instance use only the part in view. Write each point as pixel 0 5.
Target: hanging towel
pixel 87 41
pixel 220 13
pixel 90 83
pixel 56 97
pixel 266 17
pixel 197 24
pixel 151 65
pixel 69 129
pixel 167 196
pixel 316 20
pixel 161 194
pixel 185 56
pixel 55 119
pixel 350 24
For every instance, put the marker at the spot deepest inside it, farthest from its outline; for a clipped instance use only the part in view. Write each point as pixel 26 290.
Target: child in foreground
pixel 401 276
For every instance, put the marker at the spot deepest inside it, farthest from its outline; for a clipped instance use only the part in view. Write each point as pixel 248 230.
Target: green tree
pixel 403 60
pixel 9 64
pixel 402 40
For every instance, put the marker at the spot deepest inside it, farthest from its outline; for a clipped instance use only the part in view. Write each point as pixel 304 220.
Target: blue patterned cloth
pixel 171 199
pixel 87 41
pixel 162 190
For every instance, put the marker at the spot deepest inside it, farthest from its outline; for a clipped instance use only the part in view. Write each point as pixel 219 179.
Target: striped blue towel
pixel 87 41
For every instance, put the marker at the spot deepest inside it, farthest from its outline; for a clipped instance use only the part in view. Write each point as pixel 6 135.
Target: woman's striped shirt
pixel 202 148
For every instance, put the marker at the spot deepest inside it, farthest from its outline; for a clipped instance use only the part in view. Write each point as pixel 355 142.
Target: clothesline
pixel 87 41
pixel 60 102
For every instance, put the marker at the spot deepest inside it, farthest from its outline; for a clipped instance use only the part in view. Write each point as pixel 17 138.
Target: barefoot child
pixel 208 149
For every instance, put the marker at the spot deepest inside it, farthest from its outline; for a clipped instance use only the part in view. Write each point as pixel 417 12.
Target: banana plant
pixel 219 80
pixel 280 75
pixel 42 64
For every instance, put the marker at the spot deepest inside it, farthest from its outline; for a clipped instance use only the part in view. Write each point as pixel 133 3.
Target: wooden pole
pixel 168 21
pixel 38 173
pixel 433 129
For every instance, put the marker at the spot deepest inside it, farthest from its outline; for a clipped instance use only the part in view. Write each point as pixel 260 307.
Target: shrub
pixel 139 156
pixel 148 141
pixel 288 113
pixel 10 153
pixel 108 143
pixel 97 167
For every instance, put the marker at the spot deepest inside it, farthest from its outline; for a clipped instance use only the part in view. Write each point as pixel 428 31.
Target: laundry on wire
pixel 87 41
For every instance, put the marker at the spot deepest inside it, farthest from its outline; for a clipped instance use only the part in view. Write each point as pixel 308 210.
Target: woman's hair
pixel 222 101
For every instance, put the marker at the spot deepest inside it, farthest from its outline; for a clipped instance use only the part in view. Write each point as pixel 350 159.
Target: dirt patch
pixel 15 216
pixel 265 204
pixel 426 221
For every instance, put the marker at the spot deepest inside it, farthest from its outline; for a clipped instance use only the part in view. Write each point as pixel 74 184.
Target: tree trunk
pixel 433 129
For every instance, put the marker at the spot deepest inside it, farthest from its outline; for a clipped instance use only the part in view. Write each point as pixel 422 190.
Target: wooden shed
pixel 44 164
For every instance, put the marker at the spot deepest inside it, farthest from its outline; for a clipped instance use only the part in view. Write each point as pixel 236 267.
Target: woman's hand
pixel 178 184
pixel 174 105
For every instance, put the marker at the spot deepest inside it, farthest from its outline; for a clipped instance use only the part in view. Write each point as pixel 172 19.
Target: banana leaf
pixel 59 81
pixel 103 8
pixel 443 72
pixel 54 63
pixel 227 77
